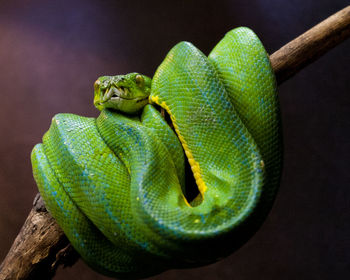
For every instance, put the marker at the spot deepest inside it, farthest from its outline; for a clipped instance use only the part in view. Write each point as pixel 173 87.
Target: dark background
pixel 51 52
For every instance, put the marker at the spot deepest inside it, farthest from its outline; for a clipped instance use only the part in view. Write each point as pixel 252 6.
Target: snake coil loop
pixel 116 184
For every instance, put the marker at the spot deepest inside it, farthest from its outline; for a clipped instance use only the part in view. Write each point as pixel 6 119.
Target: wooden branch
pixel 308 47
pixel 41 245
pixel 39 248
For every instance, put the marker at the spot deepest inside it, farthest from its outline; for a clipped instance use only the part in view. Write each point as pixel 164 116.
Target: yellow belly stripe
pixel 193 163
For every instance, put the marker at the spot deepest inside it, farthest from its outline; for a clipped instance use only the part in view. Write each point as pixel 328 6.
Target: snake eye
pixel 139 80
pixel 97 84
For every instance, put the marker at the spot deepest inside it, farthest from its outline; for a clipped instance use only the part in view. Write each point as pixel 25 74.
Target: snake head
pixel 126 93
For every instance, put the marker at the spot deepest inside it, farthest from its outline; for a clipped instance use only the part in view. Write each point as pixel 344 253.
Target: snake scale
pixel 117 184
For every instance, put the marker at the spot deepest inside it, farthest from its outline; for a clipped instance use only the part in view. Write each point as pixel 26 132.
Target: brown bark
pixel 312 44
pixel 41 245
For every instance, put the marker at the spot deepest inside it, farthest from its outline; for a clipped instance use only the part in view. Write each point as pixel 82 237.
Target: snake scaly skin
pixel 116 184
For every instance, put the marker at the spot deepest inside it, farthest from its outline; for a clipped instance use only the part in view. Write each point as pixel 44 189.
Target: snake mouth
pixel 119 98
pixel 117 94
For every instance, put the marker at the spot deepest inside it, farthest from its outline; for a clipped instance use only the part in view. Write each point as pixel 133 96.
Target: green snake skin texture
pixel 116 184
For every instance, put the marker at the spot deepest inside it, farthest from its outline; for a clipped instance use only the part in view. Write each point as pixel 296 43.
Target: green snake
pixel 118 184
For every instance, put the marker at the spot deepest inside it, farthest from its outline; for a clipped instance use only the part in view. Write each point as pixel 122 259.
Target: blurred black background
pixel 51 52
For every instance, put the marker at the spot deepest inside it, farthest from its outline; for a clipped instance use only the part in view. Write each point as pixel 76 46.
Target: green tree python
pixel 116 184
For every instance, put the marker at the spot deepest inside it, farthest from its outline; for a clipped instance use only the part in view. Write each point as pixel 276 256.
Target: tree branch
pixel 39 248
pixel 311 45
pixel 41 245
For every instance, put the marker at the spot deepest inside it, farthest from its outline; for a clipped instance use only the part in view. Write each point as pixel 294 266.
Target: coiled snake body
pixel 116 184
